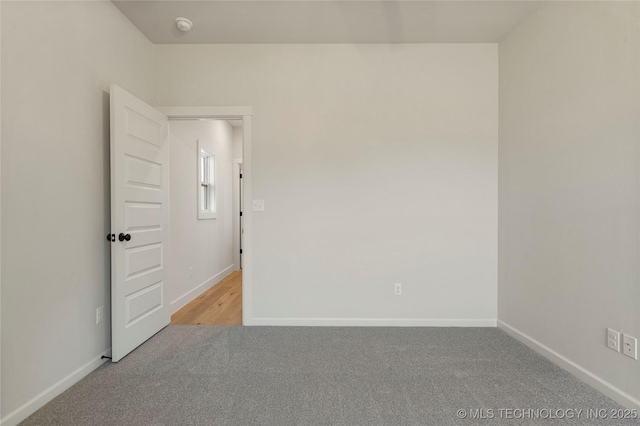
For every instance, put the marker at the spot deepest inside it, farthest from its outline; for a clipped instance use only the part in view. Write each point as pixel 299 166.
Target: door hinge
pixel 240 213
pixel 240 251
pixel 240 175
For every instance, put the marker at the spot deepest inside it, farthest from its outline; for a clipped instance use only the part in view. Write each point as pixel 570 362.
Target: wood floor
pixel 220 305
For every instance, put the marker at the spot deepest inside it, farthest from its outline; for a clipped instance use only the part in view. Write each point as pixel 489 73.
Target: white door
pixel 139 222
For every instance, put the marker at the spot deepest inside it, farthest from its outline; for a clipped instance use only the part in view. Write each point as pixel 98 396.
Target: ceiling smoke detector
pixel 184 24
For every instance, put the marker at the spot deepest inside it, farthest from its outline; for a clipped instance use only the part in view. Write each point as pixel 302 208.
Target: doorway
pixel 217 297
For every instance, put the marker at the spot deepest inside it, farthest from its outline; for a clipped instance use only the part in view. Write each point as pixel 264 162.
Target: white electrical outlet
pixel 397 289
pixel 613 339
pixel 630 346
pixel 99 314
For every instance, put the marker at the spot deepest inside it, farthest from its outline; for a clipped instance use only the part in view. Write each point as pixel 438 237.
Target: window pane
pixel 203 168
pixel 203 198
pixel 212 198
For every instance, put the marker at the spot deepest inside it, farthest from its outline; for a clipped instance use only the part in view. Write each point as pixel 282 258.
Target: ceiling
pixel 326 21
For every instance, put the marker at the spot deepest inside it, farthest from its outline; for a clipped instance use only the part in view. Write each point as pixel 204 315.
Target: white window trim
pixel 211 187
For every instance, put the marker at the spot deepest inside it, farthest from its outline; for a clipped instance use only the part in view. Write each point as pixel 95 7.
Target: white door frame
pixel 230 113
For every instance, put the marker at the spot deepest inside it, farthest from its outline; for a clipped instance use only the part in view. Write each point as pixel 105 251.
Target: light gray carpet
pixel 209 375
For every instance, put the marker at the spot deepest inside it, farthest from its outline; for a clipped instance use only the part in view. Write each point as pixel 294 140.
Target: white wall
pixel 237 143
pixel 204 245
pixel 569 187
pixel 378 164
pixel 55 188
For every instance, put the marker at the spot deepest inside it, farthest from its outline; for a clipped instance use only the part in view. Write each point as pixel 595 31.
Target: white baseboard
pixel 580 372
pixel 181 301
pixel 373 322
pixel 27 409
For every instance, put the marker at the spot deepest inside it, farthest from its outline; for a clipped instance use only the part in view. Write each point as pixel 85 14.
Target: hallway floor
pixel 220 305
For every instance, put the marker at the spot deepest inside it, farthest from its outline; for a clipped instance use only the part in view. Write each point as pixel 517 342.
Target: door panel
pixel 144 303
pixel 141 127
pixel 139 195
pixel 143 216
pixel 141 173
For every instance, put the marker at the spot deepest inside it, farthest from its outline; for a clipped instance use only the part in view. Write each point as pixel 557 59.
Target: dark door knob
pixel 124 237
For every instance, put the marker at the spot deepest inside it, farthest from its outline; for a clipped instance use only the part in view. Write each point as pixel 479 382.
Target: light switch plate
pixel 258 205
